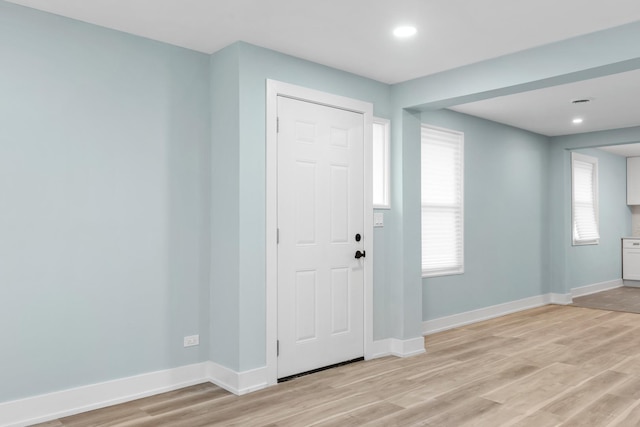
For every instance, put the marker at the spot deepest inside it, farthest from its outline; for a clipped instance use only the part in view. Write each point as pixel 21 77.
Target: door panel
pixel 340 304
pixel 305 200
pixel 320 210
pixel 339 204
pixel 306 304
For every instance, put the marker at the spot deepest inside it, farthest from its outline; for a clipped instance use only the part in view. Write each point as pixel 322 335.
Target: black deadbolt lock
pixel 358 237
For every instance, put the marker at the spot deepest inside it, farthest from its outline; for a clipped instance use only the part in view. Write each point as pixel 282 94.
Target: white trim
pixel 271 223
pixel 473 316
pixel 387 163
pixel 468 317
pixel 238 383
pixel 560 299
pixel 381 348
pixel 397 347
pixel 274 89
pixel 47 407
pixel 407 348
pixel 596 287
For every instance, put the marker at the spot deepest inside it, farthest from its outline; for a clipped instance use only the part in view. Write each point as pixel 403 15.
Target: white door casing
pixel 274 90
pixel 320 213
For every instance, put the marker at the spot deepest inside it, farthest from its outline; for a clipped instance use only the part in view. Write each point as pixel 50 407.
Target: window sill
pixel 589 243
pixel 442 273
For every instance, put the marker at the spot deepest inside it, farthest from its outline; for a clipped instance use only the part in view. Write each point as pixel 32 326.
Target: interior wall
pixel 109 184
pixel 405 265
pixel 224 295
pixel 104 219
pixel 505 218
pixel 256 65
pixel 563 269
pixel 546 66
pixel 590 264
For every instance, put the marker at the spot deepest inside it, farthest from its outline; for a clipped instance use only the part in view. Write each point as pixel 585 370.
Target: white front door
pixel 320 225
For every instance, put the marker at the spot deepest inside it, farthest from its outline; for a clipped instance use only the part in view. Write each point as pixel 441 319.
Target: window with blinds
pixel 584 199
pixel 442 202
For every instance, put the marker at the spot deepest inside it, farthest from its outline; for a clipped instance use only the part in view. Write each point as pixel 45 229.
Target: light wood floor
pixel 619 299
pixel 548 366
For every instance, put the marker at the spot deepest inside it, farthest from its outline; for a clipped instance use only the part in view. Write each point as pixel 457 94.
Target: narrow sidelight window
pixel 381 163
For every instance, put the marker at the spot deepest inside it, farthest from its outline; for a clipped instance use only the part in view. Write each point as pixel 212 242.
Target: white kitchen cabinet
pixel 633 180
pixel 631 259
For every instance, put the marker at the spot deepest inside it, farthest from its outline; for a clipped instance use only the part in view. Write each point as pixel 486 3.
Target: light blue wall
pixel 591 264
pixel 562 62
pixel 564 266
pixel 610 51
pixel 406 262
pixel 104 193
pixel 505 218
pixel 225 208
pixel 246 196
pixel 129 168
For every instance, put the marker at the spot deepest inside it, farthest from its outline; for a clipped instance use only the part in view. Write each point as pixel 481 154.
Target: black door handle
pixel 360 254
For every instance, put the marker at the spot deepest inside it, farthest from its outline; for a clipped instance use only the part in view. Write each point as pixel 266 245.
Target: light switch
pixel 378 219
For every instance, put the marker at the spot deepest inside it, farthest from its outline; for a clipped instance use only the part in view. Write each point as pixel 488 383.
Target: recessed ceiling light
pixel 577 121
pixel 404 32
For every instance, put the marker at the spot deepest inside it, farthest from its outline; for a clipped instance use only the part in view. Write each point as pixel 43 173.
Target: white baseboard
pixel 46 407
pixel 469 317
pixel 381 348
pixel 238 383
pixel 407 348
pixel 596 287
pixel 560 299
pixel 397 347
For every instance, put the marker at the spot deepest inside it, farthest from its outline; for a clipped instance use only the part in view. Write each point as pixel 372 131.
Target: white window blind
pixel 442 169
pixel 584 200
pixel 381 163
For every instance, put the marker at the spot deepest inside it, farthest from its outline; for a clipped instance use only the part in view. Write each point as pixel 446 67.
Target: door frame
pixel 273 90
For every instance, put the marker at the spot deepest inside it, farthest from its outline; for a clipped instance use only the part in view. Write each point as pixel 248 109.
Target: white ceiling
pixel 626 150
pixel 615 103
pixel 355 36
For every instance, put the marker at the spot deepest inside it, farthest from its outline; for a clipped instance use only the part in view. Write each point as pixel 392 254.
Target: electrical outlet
pixel 191 340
